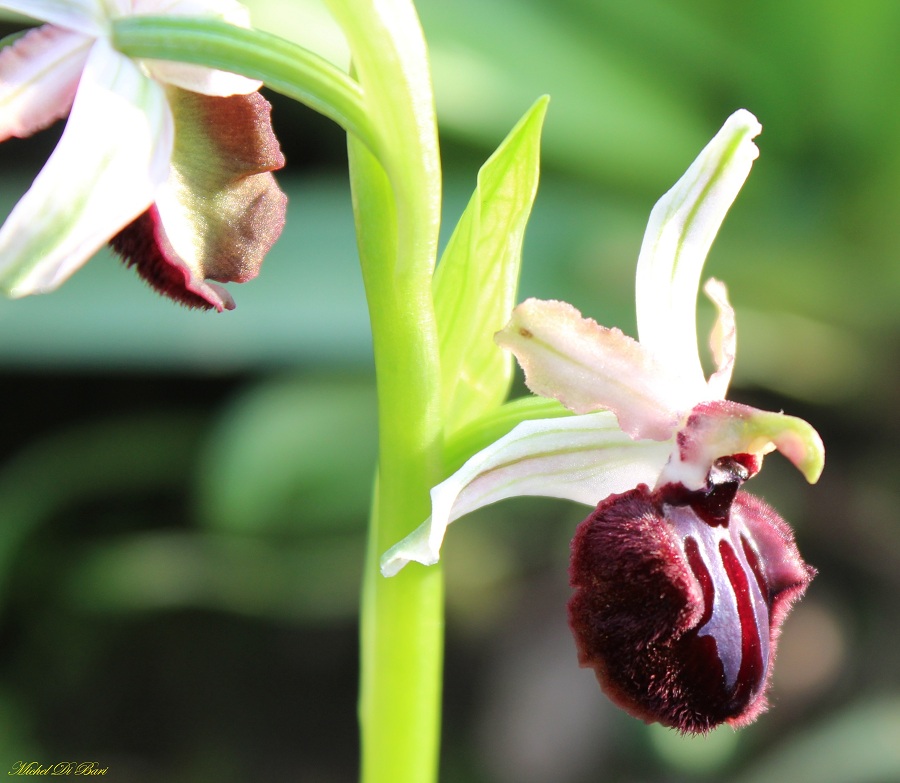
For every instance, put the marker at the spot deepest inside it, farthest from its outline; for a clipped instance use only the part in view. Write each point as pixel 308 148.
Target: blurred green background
pixel 183 495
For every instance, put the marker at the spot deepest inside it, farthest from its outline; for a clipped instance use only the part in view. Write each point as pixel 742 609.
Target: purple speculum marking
pixel 736 612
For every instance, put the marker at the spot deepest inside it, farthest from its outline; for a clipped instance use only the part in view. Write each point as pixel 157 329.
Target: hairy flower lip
pixel 655 619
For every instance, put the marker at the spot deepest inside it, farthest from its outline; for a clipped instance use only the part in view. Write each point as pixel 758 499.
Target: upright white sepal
pixel 682 227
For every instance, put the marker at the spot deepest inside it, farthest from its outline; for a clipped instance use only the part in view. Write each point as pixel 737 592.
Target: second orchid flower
pixel 168 162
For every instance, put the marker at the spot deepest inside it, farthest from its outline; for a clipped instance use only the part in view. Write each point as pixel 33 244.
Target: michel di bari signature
pixel 60 768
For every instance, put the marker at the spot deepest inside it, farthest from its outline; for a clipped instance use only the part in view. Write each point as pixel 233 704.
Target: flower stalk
pixel 284 66
pixel 396 197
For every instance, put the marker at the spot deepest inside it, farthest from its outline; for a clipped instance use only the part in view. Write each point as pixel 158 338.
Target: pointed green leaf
pixel 475 283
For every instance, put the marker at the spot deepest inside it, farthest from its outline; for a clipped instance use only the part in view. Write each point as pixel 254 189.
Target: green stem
pixel 284 66
pixel 397 203
pixel 402 618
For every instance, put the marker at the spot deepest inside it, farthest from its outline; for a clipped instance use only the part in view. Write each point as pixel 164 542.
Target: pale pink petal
pixel 580 458
pixel 588 367
pixel 722 339
pixel 114 153
pixel 197 78
pixel 682 227
pixel 39 74
pixel 721 429
pixel 83 16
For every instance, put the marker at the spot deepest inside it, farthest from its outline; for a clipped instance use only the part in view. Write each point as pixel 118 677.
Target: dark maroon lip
pixel 679 596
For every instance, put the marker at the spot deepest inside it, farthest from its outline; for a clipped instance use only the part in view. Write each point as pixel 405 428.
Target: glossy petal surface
pixel 678 617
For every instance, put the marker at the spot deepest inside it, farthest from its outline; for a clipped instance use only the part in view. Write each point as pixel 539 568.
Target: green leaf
pixel 475 283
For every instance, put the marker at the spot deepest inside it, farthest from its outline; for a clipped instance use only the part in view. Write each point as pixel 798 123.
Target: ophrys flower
pixel 681 580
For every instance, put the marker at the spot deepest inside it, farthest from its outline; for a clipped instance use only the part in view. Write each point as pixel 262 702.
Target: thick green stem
pixel 397 201
pixel 402 618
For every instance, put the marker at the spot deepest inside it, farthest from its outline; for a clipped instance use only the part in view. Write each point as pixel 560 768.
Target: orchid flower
pixel 168 162
pixel 681 581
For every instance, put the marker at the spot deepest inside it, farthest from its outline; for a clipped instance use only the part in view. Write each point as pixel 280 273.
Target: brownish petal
pixel 220 211
pixel 143 245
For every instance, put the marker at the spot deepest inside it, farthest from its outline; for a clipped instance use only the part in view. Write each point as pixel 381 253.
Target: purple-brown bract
pixel 679 597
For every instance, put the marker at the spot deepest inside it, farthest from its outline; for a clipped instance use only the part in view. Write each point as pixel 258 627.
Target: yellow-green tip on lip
pixel 793 437
pixel 720 428
pixel 812 462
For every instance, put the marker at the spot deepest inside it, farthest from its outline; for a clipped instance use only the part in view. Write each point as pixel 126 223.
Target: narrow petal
pixel 682 227
pixel 196 78
pixel 83 16
pixel 39 74
pixel 588 367
pixel 100 177
pixel 722 428
pixel 221 208
pixel 582 458
pixel 722 340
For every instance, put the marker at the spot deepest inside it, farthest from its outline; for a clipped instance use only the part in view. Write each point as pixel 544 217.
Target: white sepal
pixel 582 458
pixel 682 227
pixel 588 367
pixel 102 174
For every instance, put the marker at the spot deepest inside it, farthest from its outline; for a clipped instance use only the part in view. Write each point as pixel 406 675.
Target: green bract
pixel 475 283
